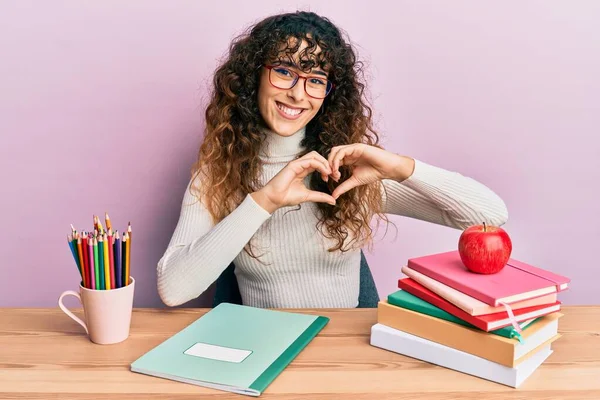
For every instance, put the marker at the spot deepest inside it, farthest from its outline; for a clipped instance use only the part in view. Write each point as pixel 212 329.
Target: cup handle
pixel 66 310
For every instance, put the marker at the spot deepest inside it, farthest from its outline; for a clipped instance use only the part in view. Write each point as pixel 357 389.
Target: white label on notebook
pixel 219 353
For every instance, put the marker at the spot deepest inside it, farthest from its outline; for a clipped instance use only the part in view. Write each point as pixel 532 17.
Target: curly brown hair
pixel 229 155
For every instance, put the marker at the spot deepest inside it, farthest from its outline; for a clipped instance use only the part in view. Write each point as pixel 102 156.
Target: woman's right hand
pixel 287 188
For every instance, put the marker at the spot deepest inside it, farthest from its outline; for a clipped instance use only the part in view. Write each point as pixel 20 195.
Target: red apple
pixel 484 249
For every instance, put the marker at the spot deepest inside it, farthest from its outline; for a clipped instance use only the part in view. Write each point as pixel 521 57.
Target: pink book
pixel 467 303
pixel 517 281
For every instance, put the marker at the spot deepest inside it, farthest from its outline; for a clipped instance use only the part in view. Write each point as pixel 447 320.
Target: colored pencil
pixel 86 267
pixel 123 260
pixel 129 233
pixel 117 251
pixel 100 228
pixel 107 220
pixel 127 260
pixel 101 260
pixel 106 263
pixel 73 251
pixel 111 265
pixel 102 256
pixel 73 246
pixel 81 263
pixel 92 265
pixel 98 277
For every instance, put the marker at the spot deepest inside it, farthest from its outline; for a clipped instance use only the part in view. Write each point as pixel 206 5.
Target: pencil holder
pixel 107 312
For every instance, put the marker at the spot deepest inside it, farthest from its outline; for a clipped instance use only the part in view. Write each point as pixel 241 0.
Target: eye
pixel 318 81
pixel 283 71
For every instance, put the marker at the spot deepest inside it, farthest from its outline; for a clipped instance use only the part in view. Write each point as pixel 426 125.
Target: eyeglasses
pixel 317 87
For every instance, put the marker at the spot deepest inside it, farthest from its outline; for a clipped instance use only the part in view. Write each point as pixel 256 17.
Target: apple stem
pixel 484 228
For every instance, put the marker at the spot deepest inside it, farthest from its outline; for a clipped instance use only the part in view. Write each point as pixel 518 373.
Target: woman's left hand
pixel 370 164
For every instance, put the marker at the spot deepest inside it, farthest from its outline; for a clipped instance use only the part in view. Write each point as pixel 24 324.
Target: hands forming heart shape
pixel 370 164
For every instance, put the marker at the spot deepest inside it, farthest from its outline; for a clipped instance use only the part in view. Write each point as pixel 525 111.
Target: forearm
pixel 192 263
pixel 402 168
pixel 441 196
pixel 264 201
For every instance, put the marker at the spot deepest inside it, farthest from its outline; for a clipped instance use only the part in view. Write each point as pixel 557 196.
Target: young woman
pixel 290 175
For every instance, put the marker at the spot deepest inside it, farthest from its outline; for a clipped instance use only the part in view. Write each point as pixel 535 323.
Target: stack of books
pixel 498 327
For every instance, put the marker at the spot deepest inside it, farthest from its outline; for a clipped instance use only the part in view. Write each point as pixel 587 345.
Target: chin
pixel 286 130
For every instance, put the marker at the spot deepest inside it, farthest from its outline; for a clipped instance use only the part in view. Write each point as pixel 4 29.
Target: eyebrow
pixel 289 64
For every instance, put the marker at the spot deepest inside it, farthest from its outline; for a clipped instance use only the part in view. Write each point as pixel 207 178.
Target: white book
pixel 387 338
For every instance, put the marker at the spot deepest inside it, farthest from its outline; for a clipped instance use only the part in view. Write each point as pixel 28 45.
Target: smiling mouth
pixel 289 112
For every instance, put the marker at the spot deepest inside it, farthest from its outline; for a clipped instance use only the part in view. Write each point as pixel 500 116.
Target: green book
pixel 402 298
pixel 234 348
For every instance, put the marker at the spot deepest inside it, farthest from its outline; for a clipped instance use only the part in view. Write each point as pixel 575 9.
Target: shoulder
pixel 195 190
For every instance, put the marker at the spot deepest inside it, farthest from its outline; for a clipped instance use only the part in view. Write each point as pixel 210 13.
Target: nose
pixel 297 92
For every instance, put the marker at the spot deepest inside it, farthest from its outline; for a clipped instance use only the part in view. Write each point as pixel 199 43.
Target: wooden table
pixel 46 355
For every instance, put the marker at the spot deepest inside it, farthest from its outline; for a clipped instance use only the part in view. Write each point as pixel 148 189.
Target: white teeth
pixel 288 111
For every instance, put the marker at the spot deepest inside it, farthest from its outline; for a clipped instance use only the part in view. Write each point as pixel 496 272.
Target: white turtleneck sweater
pixel 299 271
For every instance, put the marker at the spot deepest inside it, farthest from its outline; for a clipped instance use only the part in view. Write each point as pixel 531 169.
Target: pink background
pixel 101 108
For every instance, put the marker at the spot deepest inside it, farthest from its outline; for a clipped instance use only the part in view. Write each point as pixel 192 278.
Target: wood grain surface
pixel 46 355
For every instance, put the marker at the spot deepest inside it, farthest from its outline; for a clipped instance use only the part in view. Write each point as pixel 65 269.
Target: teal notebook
pixel 402 298
pixel 234 348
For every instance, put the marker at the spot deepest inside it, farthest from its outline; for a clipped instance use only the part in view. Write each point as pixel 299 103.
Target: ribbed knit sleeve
pixel 443 197
pixel 200 251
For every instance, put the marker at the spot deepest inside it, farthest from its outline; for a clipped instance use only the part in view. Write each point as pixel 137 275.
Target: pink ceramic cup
pixel 107 312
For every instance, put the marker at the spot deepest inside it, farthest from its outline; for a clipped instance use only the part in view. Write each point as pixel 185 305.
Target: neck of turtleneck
pixel 277 148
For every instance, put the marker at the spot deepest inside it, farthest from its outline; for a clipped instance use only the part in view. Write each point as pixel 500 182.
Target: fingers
pixel 304 166
pixel 316 156
pixel 345 186
pixel 344 156
pixel 332 154
pixel 319 197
